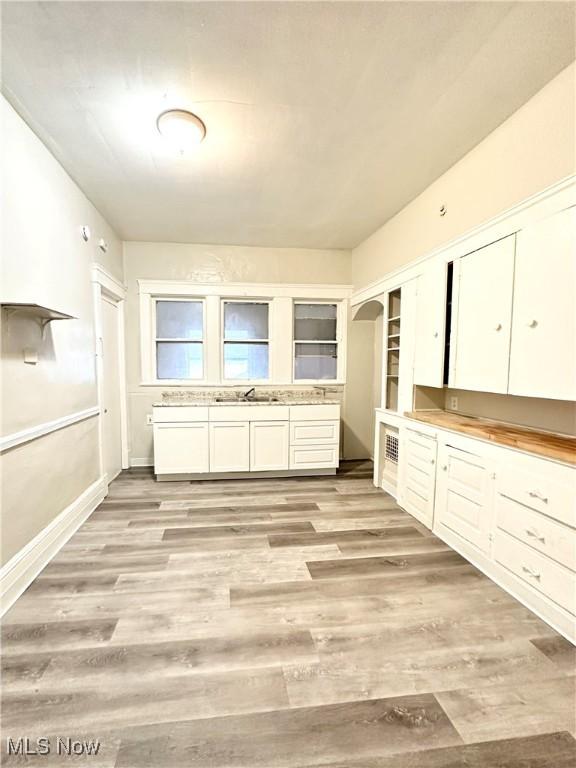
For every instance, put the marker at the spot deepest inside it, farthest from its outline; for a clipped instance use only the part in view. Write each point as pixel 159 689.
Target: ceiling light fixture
pixel 181 128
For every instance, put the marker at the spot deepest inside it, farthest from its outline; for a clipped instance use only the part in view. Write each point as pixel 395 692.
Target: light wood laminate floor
pixel 279 624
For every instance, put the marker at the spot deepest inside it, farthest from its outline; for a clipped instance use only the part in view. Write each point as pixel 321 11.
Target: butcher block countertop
pixel 547 444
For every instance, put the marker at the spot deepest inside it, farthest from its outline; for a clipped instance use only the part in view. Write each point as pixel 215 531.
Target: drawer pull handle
pixel 532 323
pixel 531 573
pixel 538 495
pixel 535 535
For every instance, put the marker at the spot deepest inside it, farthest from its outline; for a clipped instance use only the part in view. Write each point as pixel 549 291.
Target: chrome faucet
pixel 246 395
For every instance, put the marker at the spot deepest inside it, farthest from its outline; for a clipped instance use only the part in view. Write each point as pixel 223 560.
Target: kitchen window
pixel 315 341
pixel 179 342
pixel 246 340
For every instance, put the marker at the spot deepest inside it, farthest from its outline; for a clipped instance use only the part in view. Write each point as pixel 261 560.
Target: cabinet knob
pixel 530 572
pixel 535 535
pixel 445 468
pixel 436 334
pixel 532 323
pixel 498 327
pixel 538 495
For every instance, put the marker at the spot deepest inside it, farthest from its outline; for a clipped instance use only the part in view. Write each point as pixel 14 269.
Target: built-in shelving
pixel 393 349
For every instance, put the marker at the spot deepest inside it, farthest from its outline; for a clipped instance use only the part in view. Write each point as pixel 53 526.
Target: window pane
pixel 245 361
pixel 178 360
pixel 315 322
pixel 316 361
pixel 243 320
pixel 179 320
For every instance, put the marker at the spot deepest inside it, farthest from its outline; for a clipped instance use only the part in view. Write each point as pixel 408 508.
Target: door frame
pixel 105 285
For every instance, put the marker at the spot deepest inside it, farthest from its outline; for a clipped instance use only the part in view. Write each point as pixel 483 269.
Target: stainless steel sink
pixel 255 399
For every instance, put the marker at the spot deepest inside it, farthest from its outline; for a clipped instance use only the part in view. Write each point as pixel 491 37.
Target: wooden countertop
pixel 547 444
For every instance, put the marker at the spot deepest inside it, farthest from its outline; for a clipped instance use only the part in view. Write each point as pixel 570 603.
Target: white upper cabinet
pixel 482 315
pixel 430 325
pixel 543 349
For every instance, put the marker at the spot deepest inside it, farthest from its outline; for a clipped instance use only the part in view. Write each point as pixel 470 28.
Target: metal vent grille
pixel 391 448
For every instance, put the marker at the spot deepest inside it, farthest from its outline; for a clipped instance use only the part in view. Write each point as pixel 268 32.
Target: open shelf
pixel 37 310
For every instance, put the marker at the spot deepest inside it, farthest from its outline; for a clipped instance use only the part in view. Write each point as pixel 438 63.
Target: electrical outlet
pixel 453 403
pixel 149 421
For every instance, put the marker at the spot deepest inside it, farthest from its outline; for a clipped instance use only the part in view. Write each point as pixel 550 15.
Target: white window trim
pixel 280 297
pixel 203 341
pixel 223 341
pixel 340 342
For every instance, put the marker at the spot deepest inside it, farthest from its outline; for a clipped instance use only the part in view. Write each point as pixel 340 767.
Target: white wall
pixel 530 151
pixel 45 261
pixel 216 263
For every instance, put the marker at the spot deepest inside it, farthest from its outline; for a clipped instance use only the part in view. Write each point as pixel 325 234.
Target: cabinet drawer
pixel 249 413
pixel 313 457
pixel 420 445
pixel 542 574
pixel 314 412
pixel 551 538
pixel 166 414
pixel 540 485
pixel 314 432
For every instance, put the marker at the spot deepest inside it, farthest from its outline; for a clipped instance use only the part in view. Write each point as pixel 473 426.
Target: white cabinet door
pixel 484 281
pixel 430 325
pixel 543 347
pixel 180 448
pixel 417 474
pixel 464 496
pixel 230 446
pixel 269 445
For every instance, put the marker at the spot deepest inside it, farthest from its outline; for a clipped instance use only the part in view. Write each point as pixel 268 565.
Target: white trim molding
pixel 280 298
pixel 32 433
pixel 107 286
pixel 252 290
pixel 556 197
pixel 19 572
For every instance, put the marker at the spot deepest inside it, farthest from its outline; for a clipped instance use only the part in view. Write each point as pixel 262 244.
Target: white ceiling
pixel 323 119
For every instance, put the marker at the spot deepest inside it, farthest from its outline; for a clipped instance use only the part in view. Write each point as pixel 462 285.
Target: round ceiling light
pixel 181 128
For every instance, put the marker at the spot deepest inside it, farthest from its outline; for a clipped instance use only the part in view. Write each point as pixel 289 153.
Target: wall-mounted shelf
pixel 42 315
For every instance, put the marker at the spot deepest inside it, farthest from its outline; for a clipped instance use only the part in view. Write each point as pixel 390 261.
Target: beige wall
pixel 531 150
pixel 550 415
pixel 213 263
pixel 45 261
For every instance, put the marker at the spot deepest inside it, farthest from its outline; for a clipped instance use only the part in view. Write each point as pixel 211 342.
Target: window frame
pixel 338 342
pixel 155 338
pixel 223 341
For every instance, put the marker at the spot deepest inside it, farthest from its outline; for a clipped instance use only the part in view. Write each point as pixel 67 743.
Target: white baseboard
pixel 22 569
pixel 141 462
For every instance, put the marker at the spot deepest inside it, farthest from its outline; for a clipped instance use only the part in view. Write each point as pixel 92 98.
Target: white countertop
pixel 212 402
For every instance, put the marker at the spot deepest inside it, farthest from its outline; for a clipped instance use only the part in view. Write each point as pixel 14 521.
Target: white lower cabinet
pixel 464 492
pixel 269 445
pixel 181 448
pixel 245 438
pixel 417 457
pixel 229 446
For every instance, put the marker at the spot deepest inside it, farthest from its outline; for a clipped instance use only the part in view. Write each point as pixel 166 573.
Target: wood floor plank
pixel 549 750
pixel 336 537
pixel 218 531
pixel 290 738
pixel 504 711
pixel 346 568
